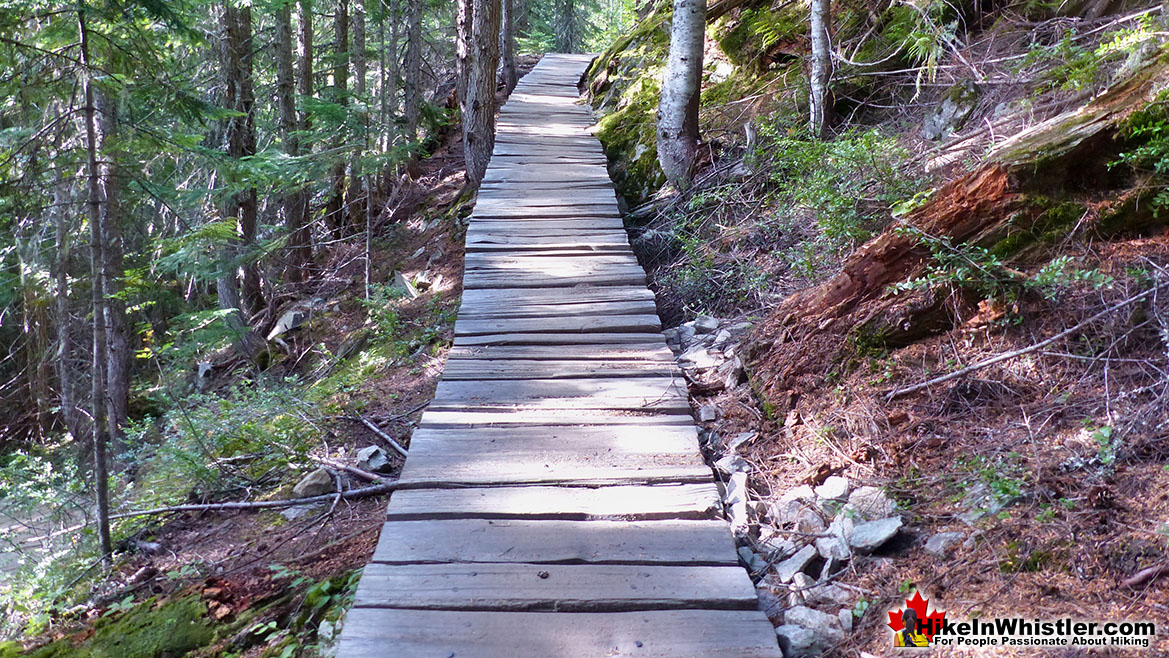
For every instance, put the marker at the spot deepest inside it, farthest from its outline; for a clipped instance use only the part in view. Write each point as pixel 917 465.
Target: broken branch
pixel 1020 352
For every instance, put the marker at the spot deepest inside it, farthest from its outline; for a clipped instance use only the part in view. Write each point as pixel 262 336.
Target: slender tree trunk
pixel 566 26
pixel 294 202
pixel 681 89
pixel 411 100
pixel 523 16
pixel 821 113
pixel 507 44
pixel 237 60
pixel 305 83
pixel 66 371
pixel 358 195
pixel 113 249
pixel 335 207
pixel 96 262
pixel 478 60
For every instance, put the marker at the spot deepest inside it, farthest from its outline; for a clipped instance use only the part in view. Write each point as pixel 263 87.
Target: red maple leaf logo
pixel 931 622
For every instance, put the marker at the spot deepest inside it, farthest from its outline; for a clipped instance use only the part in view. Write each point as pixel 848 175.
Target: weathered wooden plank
pixel 551 339
pixel 655 351
pixel 536 279
pixel 629 502
pixel 631 439
pixel 445 470
pixel 562 257
pixel 556 542
pixel 554 587
pixel 474 311
pixel 562 369
pixel 629 393
pixel 576 323
pixel 521 244
pixel 469 419
pixel 652 634
pixel 566 221
pixel 578 295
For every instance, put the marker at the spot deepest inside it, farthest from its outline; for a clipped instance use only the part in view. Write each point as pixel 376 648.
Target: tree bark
pixel 113 248
pixel 507 44
pixel 96 262
pixel 236 65
pixel 412 97
pixel 681 89
pixel 567 37
pixel 335 207
pixel 478 59
pixel 295 202
pixel 358 196
pixel 64 364
pixel 821 113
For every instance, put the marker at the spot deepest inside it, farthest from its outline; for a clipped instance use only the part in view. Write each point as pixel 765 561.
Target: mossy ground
pixel 170 630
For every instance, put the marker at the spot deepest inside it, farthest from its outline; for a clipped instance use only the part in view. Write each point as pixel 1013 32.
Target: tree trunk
pixel 295 202
pixel 478 59
pixel 335 207
pixel 239 96
pixel 96 262
pixel 66 372
pixel 507 44
pixel 523 16
pixel 821 113
pixel 681 89
pixel 567 37
pixel 117 332
pixel 358 196
pixel 412 98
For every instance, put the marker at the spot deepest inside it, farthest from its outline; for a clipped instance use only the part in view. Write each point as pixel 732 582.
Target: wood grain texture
pixel 650 634
pixel 557 542
pixel 625 502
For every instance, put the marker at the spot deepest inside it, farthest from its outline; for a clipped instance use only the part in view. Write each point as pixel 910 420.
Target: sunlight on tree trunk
pixel 681 89
pixel 507 44
pixel 821 112
pixel 478 24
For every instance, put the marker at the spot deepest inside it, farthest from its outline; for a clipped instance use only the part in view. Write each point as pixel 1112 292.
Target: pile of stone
pixel 705 349
pixel 795 547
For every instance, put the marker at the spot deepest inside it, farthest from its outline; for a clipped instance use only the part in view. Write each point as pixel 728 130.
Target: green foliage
pixel 847 184
pixel 982 271
pixel 320 606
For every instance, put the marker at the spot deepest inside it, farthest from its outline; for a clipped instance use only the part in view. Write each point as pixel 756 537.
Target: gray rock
pixel 731 372
pixel 403 285
pixel 836 544
pixel 739 439
pixel 699 359
pixel 707 413
pixel 943 543
pixel 773 544
pixel 671 335
pixel 787 509
pixel 316 483
pixel 870 503
pixel 752 560
pixel 810 521
pixel 834 488
pixel 704 324
pixel 845 617
pixel 686 334
pixel 787 569
pixel 373 459
pixel 829 568
pixel 869 536
pixel 740 328
pixel 803 581
pixel 959 102
pixel 797 641
pixel 418 252
pixel 829 593
pixel 736 501
pixel 295 512
pixel 722 338
pixel 732 463
pixel 826 626
pixel 769 602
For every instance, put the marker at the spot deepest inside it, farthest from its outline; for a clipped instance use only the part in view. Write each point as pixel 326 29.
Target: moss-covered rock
pixel 170 630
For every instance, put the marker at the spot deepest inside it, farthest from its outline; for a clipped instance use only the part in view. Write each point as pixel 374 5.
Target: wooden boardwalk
pixel 555 502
